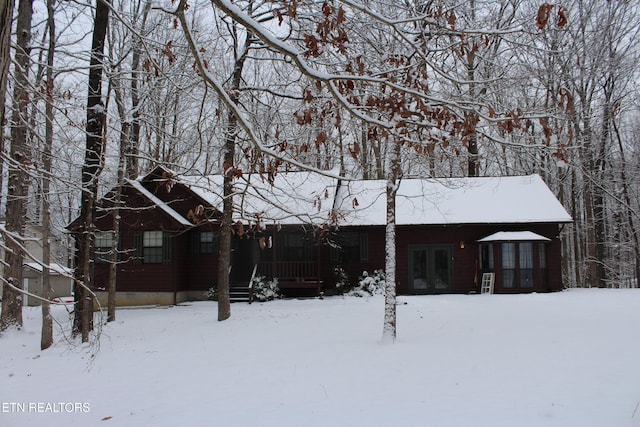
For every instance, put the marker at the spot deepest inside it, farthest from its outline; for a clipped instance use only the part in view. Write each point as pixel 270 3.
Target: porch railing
pixel 289 269
pixel 253 275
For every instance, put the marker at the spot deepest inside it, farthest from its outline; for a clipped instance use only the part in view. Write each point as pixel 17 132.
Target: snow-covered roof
pixel 478 200
pixel 156 201
pixel 308 197
pixel 54 268
pixel 514 236
pixel 292 198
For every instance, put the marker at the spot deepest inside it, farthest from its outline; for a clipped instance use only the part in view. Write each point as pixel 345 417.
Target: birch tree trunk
pixel 393 182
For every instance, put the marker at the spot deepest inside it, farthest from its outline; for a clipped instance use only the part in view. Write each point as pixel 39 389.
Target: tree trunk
pixel 224 258
pixel 46 337
pixel 393 182
pixel 125 145
pixel 17 191
pixel 599 199
pixel 471 118
pixel 132 161
pixel 93 162
pixel 6 19
pixel 633 233
pixel 113 256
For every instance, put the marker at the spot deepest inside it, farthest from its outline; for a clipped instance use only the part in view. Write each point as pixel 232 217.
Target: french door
pixel 430 269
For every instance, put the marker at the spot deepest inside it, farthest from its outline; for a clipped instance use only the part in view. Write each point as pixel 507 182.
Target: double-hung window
pixel 294 246
pixel 204 243
pixel 351 247
pixel 208 242
pixel 103 244
pixel 152 247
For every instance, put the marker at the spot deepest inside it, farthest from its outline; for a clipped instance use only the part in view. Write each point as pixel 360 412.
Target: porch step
pixel 240 293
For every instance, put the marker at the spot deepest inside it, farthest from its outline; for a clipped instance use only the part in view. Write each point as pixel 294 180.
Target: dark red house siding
pixel 183 272
pixel 464 258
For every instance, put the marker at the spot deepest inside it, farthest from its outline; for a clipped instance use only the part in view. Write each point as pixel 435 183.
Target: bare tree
pixel 93 164
pixel 390 94
pixel 47 322
pixel 124 144
pixel 6 23
pixel 228 156
pixel 19 159
pixel 587 70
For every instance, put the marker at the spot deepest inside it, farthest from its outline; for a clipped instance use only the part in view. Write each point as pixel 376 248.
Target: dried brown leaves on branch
pixel 544 14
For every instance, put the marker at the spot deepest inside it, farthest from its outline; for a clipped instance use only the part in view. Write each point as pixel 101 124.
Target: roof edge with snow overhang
pixel 54 268
pixel 159 203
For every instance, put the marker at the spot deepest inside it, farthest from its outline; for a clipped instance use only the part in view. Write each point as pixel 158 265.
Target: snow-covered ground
pixel 562 359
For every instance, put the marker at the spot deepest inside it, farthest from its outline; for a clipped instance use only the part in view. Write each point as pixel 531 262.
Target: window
pixel 486 256
pixel 152 247
pixel 519 265
pixel 204 243
pixel 103 245
pixel 208 242
pixel 542 254
pixel 350 247
pixel 526 264
pixel 508 265
pixel 294 246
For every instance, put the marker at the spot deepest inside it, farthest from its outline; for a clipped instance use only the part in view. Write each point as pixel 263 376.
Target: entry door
pixel 245 255
pixel 430 269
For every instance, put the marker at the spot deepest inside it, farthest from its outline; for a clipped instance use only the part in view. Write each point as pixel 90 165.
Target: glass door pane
pixel 418 269
pixel 430 269
pixel 441 269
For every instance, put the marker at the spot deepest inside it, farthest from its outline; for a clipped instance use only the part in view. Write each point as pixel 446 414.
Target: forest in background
pixel 432 88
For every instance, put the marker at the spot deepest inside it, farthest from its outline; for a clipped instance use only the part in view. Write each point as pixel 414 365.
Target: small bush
pixel 211 293
pixel 265 290
pixel 342 281
pixel 369 284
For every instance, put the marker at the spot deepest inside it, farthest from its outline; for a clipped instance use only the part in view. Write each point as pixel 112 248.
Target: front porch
pixel 294 277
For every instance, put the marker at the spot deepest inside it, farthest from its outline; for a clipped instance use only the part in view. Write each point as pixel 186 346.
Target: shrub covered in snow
pixel 211 293
pixel 369 284
pixel 342 281
pixel 265 290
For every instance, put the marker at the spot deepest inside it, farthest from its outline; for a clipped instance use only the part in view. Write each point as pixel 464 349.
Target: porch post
pixel 274 256
pixel 317 272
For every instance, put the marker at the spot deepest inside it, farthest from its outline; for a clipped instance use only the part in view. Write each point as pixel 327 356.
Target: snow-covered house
pixel 300 227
